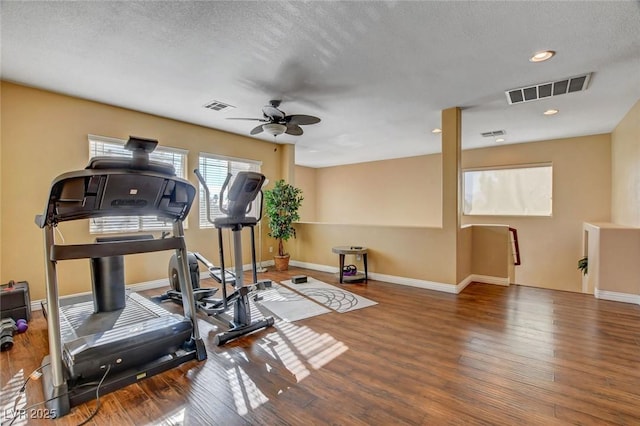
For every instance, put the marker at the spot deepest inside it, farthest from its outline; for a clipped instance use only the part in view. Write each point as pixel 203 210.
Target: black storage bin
pixel 15 301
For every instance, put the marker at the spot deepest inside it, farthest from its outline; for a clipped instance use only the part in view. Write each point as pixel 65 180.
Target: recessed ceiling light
pixel 542 56
pixel 436 130
pixel 500 140
pixel 551 112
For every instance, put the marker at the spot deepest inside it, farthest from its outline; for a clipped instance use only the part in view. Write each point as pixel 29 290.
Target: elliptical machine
pixel 242 192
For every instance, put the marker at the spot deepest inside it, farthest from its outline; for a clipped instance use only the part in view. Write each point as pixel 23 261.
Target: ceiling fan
pixel 276 122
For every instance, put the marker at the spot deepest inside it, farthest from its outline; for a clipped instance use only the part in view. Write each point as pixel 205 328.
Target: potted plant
pixel 281 207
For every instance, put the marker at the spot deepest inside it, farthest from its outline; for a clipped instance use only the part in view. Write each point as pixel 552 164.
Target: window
pixel 111 147
pixel 214 170
pixel 509 191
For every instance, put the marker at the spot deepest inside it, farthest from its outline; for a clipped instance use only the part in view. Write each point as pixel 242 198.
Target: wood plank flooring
pixel 490 355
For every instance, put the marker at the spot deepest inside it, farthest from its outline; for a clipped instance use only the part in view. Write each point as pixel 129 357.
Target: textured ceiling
pixel 377 73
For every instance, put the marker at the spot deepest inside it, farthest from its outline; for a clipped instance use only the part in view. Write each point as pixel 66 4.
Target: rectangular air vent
pixel 493 133
pixel 217 106
pixel 544 90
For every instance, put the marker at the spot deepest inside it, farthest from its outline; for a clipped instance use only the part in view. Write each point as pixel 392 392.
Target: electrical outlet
pixel 270 249
pixel 358 257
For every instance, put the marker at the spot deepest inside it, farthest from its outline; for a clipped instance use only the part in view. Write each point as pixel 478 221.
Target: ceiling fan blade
pixel 293 129
pixel 256 130
pixel 301 119
pixel 252 119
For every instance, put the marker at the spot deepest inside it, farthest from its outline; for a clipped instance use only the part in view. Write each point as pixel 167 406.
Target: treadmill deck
pixel 139 333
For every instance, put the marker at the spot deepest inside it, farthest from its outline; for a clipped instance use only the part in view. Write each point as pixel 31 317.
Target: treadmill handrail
pixel 113 248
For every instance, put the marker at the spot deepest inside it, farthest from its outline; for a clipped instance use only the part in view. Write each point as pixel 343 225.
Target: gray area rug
pixel 332 297
pixel 289 305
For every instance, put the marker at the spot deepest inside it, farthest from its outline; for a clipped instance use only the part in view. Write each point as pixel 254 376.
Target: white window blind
pixel 214 170
pixel 509 191
pixel 100 146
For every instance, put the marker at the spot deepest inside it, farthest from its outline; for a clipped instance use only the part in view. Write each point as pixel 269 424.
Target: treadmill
pixel 115 339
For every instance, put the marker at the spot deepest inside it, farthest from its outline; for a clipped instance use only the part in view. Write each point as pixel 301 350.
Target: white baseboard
pixel 393 279
pixel 464 283
pixel 413 282
pixel 247 267
pixel 36 305
pixel 617 297
pixel 149 285
pixel 315 266
pixel 487 279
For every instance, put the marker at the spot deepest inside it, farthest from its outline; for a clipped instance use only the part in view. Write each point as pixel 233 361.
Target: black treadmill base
pixel 73 393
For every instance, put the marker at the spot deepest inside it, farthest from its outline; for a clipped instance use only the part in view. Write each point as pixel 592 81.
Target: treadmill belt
pixel 79 319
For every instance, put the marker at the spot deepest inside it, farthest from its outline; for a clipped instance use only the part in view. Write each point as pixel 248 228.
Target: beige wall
pixel 465 250
pixel 287 156
pixel 306 181
pixel 402 250
pixel 405 191
pixel 625 160
pixel 419 253
pixel 45 134
pixel 550 246
pixel 491 253
pixel 613 252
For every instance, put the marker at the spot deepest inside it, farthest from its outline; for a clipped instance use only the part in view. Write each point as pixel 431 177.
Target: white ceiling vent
pixel 217 106
pixel 555 88
pixel 493 133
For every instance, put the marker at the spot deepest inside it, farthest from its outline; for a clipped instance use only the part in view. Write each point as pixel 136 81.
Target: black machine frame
pixel 114 187
pixel 245 188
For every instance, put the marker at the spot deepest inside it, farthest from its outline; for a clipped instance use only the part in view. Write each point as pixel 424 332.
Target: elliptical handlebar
pixel 260 208
pixel 236 191
pixel 221 199
pixel 207 193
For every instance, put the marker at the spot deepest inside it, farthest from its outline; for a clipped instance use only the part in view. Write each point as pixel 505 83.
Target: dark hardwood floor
pixel 490 355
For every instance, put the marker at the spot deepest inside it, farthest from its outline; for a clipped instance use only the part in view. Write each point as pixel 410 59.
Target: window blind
pixel 214 169
pixel 509 191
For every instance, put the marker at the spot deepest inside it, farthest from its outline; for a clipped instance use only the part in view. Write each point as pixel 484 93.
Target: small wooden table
pixel 357 250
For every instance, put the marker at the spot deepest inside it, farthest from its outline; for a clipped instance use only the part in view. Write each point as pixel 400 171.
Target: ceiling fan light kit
pixel 274 129
pixel 277 122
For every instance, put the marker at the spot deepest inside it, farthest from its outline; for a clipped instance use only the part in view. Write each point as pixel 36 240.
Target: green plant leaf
pixel 583 265
pixel 282 204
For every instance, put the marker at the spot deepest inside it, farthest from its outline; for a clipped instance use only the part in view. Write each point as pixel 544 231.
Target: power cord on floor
pixel 21 391
pixel 95 410
pixel 26 409
pixel 24 386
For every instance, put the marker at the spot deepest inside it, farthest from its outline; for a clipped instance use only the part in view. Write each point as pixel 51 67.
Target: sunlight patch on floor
pixel 246 393
pixel 317 349
pixel 13 402
pixel 278 361
pixel 175 418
